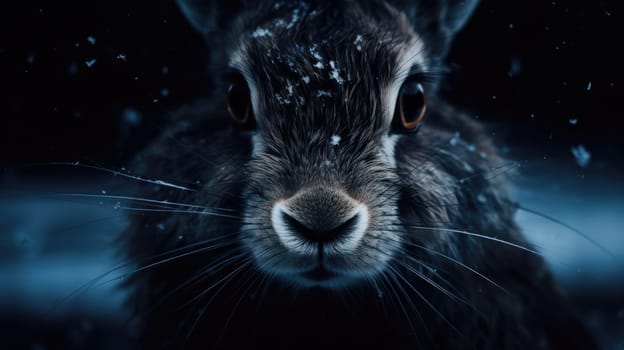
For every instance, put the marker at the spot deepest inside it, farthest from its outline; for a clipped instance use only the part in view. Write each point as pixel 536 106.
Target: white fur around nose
pixel 292 241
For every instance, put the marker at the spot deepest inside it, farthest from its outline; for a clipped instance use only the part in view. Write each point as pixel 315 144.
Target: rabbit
pixel 331 197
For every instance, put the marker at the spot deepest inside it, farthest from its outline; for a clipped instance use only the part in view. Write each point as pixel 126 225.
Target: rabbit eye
pixel 410 108
pixel 239 103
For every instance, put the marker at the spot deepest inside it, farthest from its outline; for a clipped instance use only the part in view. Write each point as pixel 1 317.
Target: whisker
pixel 164 261
pixel 197 277
pixel 425 277
pixel 131 198
pixel 425 300
pixel 478 235
pixel 223 281
pixel 179 211
pixel 94 282
pixel 503 168
pixel 569 227
pixel 389 283
pixel 122 174
pixel 207 290
pixel 439 287
pixel 459 263
pixel 215 267
pixel 250 281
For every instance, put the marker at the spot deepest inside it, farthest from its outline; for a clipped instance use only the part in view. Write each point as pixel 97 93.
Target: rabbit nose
pixel 320 233
pixel 321 215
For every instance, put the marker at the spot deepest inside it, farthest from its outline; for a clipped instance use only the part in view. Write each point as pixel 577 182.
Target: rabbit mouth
pixel 321 237
pixel 320 274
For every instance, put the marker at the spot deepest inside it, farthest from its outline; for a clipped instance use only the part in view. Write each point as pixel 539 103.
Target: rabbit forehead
pixel 359 76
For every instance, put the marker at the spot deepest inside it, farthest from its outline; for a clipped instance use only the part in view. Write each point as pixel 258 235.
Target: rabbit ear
pixel 457 14
pixel 448 16
pixel 209 15
pixel 438 20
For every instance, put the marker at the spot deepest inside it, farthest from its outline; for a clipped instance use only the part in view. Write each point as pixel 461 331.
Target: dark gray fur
pixel 440 181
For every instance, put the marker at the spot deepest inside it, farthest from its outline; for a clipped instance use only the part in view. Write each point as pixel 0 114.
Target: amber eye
pixel 410 108
pixel 239 103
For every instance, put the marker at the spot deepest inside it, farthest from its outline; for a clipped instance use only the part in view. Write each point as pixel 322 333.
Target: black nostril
pixel 319 235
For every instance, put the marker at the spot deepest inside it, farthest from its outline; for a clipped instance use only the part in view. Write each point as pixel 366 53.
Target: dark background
pixel 523 66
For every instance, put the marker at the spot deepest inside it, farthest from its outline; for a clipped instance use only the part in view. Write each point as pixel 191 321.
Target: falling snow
pixel 481 198
pixel 90 63
pixel 261 33
pixel 91 40
pixel 455 139
pixel 358 42
pixel 335 73
pixel 573 121
pixel 296 14
pixel 323 93
pixel 589 85
pixel 582 156
pixel 290 88
pixel 335 140
pixel 314 52
pixel 285 99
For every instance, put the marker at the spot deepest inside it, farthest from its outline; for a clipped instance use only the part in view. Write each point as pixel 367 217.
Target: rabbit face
pixel 323 188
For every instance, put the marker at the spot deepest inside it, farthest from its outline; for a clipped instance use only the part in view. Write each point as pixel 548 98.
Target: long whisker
pixel 569 227
pixel 223 282
pixel 459 263
pixel 478 235
pixel 164 261
pixel 388 282
pixel 425 300
pixel 135 199
pixel 178 211
pixel 250 281
pixel 122 174
pixel 438 286
pixel 426 278
pixel 93 282
pixel 215 267
pixel 503 168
